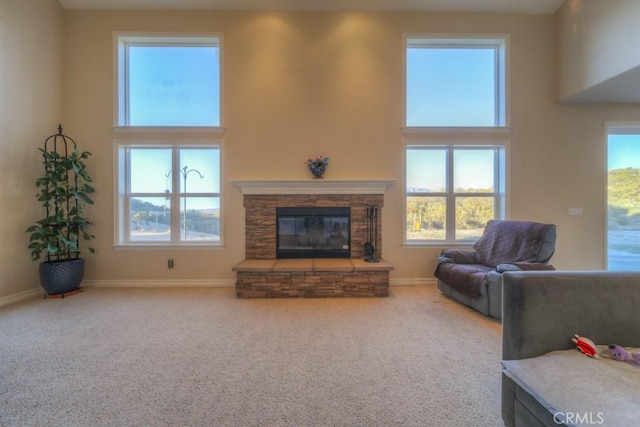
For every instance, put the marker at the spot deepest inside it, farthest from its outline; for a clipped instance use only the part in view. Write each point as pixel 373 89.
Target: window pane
pixel 150 219
pixel 451 86
pixel 174 86
pixel 426 170
pixel 477 175
pixel 623 204
pixel 155 212
pixel 472 214
pixel 426 218
pixel 200 170
pixel 473 171
pixel 202 219
pixel 149 168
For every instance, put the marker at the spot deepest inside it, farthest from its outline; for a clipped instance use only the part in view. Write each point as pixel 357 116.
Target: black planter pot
pixel 61 277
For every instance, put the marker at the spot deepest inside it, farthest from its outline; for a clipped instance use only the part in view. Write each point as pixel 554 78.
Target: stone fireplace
pixel 261 224
pixel 266 273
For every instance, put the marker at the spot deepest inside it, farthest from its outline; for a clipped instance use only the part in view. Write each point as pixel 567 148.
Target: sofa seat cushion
pixel 465 278
pixel 587 390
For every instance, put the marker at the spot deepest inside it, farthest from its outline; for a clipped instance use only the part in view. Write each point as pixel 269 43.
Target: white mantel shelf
pixel 313 186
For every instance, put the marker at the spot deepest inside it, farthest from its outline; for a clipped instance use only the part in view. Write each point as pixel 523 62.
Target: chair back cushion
pixel 515 241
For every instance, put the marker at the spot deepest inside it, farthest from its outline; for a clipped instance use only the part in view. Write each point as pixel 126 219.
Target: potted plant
pixel 64 190
pixel 317 166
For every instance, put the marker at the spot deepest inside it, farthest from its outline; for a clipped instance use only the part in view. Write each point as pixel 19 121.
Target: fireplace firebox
pixel 313 232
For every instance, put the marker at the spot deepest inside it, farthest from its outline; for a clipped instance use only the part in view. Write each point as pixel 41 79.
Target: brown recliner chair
pixel 474 276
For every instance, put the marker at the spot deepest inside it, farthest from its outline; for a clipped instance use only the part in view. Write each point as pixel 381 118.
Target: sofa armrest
pixel 523 266
pixel 542 310
pixel 458 256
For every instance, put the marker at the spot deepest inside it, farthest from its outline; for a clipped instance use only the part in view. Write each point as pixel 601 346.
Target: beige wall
pixel 30 109
pixel 302 84
pixel 596 42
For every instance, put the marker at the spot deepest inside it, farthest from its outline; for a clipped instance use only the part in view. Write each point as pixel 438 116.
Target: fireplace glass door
pixel 313 232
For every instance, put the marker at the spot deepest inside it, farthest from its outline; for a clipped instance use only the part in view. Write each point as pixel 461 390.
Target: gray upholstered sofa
pixel 473 276
pixel 545 380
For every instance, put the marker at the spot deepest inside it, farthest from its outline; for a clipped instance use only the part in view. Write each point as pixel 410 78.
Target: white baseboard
pixel 21 296
pixel 159 283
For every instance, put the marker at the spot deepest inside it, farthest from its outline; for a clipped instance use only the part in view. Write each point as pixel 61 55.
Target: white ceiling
pixel 472 6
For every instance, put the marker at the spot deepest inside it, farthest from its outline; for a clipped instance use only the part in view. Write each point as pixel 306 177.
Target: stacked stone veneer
pixel 311 278
pixel 260 275
pixel 312 284
pixel 260 214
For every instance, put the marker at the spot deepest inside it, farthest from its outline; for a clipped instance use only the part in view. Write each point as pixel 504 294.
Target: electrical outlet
pixel 170 263
pixel 575 211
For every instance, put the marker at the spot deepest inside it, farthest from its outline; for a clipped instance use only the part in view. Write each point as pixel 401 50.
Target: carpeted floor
pixel 201 357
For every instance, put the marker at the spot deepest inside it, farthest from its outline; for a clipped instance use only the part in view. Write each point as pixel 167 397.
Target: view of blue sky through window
pixel 624 151
pixel 451 86
pixel 426 170
pixel 151 173
pixel 174 86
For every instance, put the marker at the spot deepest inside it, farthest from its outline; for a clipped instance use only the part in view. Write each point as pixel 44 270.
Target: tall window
pixel 623 204
pixel 456 82
pixel 169 194
pixel 452 191
pixel 168 81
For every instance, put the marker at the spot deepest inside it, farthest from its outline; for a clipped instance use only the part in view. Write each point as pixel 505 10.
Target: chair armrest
pixel 458 256
pixel 523 266
pixel 542 310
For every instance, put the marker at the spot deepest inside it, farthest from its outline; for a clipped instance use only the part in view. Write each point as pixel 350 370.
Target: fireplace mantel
pixel 313 186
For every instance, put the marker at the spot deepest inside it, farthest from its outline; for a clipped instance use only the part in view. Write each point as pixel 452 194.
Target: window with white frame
pixel 167 81
pixel 452 191
pixel 456 82
pixel 623 187
pixel 168 194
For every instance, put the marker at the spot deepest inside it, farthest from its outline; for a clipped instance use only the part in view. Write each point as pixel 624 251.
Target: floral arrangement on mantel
pixel 317 166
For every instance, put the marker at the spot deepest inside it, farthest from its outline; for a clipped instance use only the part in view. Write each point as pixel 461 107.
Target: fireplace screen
pixel 313 232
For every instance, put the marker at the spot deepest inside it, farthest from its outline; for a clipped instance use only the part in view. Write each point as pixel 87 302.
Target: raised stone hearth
pixel 262 275
pixel 319 277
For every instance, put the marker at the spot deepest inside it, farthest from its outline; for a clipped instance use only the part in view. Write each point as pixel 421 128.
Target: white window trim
pixel 500 41
pixel 622 128
pixel 504 206
pixel 120 39
pixel 119 182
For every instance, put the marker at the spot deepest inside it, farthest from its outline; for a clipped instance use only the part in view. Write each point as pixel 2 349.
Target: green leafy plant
pixel 318 165
pixel 64 191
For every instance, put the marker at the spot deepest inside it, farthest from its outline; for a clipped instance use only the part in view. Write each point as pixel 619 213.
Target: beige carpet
pixel 200 357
